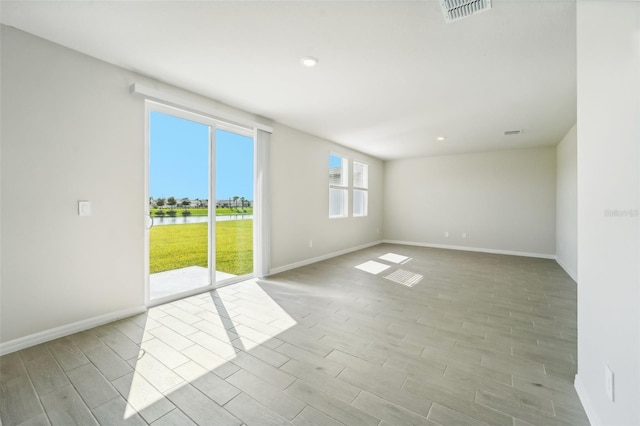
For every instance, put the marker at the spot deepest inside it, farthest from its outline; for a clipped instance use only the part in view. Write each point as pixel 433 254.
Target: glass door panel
pixel 179 183
pixel 234 205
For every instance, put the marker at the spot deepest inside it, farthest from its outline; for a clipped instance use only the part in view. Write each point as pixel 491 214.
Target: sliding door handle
pixel 150 222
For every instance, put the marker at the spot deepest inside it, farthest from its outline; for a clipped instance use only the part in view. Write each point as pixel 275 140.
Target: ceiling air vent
pixel 457 9
pixel 512 132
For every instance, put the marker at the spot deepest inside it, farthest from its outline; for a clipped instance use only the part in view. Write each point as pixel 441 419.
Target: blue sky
pixel 179 157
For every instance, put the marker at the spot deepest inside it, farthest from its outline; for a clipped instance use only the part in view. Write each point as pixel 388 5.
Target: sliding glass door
pixel 200 205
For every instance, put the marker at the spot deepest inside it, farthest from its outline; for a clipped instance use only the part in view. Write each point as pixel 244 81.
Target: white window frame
pixel 364 189
pixel 344 187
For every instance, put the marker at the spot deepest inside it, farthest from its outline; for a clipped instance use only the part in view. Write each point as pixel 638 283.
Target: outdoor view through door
pixel 185 253
pixel 234 205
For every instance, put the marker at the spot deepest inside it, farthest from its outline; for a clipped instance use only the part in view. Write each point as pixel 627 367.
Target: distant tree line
pixel 237 203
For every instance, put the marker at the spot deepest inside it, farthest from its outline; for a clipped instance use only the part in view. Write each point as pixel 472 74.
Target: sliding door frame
pixel 213 124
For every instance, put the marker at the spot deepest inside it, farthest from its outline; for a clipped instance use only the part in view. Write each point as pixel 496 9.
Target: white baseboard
pixel 408 243
pixel 568 270
pixel 586 402
pixel 475 249
pixel 321 258
pixel 65 330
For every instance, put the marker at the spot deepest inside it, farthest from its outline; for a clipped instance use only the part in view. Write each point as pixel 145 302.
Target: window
pixel 338 186
pixel 360 189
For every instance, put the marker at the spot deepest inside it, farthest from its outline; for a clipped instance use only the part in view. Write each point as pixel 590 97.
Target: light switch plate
pixel 609 383
pixel 84 208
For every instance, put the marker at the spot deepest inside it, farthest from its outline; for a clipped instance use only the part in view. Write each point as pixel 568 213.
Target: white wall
pixel 608 47
pixel 567 203
pixel 300 200
pixel 504 201
pixel 71 131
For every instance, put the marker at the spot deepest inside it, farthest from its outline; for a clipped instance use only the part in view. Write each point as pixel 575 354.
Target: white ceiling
pixel 392 74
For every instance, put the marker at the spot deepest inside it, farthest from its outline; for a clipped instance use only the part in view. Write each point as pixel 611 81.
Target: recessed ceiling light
pixel 309 61
pixel 441 138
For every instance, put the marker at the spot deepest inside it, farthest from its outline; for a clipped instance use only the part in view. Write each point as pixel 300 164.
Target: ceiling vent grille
pixel 512 132
pixel 457 9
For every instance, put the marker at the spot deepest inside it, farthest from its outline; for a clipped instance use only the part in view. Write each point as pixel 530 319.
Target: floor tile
pixel 86 340
pixel 174 418
pixel 320 363
pixel 121 345
pixel 319 379
pixel 266 394
pixel 446 416
pixel 143 397
pixel 164 353
pixel 389 411
pixel 67 353
pixel 332 407
pixel 65 407
pixel 108 362
pixel 252 413
pixel 267 372
pixel 11 366
pixel 92 386
pixel 312 417
pixel 480 339
pixel 156 373
pixel 46 375
pixel 199 408
pixel 214 387
pixel 117 412
pixel 18 400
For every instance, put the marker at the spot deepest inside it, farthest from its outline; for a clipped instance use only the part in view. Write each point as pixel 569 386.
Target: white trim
pixel 261 203
pixel 65 330
pixel 364 189
pixel 568 270
pixel 407 243
pixel 586 402
pixel 195 107
pixel 474 249
pixel 183 113
pixel 147 207
pixel 212 208
pixel 321 258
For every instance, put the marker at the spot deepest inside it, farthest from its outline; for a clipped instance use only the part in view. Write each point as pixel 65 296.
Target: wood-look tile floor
pixel 418 337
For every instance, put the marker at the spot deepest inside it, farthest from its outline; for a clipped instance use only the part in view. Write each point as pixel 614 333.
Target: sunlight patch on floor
pixel 395 258
pixel 260 318
pixel 235 318
pixel 373 267
pixel 405 277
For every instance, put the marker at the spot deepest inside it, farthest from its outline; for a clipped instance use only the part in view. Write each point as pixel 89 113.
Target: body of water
pixel 181 220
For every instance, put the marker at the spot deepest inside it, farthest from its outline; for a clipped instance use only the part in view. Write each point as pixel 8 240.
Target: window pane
pixel 337 170
pixel 337 202
pixel 360 175
pixel 360 202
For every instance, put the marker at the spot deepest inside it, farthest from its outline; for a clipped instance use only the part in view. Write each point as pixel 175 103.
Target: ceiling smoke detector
pixel 457 9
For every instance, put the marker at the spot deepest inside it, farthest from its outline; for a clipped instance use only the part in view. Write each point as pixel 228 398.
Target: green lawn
pixel 223 211
pixel 179 246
